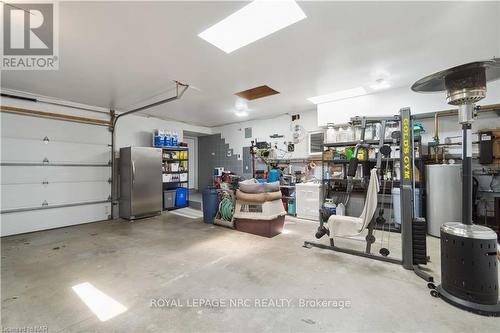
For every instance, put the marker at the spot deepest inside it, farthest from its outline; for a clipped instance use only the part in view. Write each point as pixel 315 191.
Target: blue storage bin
pixel 273 176
pixel 158 140
pixel 181 197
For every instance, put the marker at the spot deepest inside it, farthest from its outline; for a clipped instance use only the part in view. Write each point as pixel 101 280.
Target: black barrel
pixel 468 262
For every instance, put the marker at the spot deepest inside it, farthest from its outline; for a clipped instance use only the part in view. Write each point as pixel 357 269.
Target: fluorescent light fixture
pixel 252 22
pixel 338 95
pixel 103 306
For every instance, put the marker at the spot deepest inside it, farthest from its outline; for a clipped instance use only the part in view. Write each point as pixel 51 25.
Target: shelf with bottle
pixel 343 153
pixel 175 166
pixel 170 154
pixel 175 176
pixel 165 138
pixel 176 182
pixel 176 148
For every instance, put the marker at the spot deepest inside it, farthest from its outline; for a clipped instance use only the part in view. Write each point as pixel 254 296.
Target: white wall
pixel 389 103
pixel 234 134
pixel 137 130
pixel 132 130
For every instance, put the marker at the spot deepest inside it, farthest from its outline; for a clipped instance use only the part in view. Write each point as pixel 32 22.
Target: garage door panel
pixel 16 223
pixel 31 151
pixel 53 174
pixel 33 195
pixel 24 127
pixel 84 151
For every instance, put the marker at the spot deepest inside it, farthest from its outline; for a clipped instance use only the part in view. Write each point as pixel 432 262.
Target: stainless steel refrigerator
pixel 140 182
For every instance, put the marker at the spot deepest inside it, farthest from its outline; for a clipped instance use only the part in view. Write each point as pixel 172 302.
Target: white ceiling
pixel 114 54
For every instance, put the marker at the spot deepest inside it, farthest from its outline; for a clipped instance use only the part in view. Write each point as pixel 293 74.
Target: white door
pixel 54 173
pixel 192 143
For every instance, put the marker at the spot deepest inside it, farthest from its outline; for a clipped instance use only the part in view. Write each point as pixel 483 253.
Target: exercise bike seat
pixel 349 226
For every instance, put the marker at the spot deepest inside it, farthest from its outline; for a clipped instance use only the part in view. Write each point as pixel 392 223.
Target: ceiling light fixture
pixel 380 84
pixel 241 114
pixel 338 95
pixel 252 22
pixel 241 104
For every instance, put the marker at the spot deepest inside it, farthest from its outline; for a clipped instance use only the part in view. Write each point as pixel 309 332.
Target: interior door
pixel 193 161
pixel 146 180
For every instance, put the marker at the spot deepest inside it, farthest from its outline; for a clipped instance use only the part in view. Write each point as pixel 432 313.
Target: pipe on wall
pixel 454 112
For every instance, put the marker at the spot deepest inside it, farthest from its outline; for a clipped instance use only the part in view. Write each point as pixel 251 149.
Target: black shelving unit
pixel 369 163
pixel 174 184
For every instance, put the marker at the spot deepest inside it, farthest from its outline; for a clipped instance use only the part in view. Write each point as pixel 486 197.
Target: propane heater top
pixel 464 84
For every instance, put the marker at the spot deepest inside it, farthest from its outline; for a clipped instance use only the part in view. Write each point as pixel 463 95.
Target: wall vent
pixel 248 133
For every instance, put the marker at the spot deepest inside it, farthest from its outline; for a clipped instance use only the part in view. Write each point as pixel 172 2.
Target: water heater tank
pixel 444 196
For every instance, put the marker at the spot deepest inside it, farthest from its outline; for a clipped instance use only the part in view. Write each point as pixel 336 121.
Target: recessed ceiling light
pixel 338 95
pixel 252 22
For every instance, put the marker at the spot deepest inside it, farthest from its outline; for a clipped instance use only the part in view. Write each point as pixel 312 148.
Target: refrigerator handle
pixel 133 171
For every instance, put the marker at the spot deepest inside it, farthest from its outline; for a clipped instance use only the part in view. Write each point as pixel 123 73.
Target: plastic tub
pixel 181 197
pixel 396 202
pixel 274 175
pixel 264 228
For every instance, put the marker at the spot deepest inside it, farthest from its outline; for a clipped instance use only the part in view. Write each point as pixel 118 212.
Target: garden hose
pixel 226 208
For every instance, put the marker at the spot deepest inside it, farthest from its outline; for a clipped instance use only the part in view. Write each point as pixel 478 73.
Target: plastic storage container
pixel 340 210
pixel 210 204
pixel 274 175
pixel 181 197
pixel 291 207
pixel 174 140
pixel 308 198
pixel 330 205
pixel 396 202
pixel 331 134
pixel 168 199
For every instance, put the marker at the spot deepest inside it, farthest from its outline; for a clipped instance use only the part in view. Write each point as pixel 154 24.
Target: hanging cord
pixel 381 218
pixel 382 202
pixel 388 227
pixel 390 218
pixel 385 251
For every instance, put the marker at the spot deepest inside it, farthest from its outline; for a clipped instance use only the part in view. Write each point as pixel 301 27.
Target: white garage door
pixel 54 173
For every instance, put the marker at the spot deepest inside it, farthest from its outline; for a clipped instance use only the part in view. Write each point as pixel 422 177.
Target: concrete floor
pixel 180 258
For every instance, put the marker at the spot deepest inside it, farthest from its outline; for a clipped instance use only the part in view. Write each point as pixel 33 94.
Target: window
pixel 315 142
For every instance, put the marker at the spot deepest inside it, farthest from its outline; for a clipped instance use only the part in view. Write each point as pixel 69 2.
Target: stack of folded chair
pixel 259 209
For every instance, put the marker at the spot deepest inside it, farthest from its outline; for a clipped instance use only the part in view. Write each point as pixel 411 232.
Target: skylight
pixel 256 20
